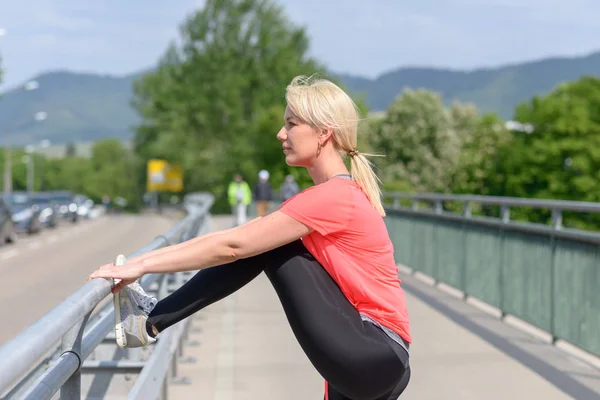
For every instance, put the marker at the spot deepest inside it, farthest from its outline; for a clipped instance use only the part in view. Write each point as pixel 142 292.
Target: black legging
pixel 356 358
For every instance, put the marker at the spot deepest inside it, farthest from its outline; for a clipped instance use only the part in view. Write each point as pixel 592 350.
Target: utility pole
pixel 8 152
pixel 7 166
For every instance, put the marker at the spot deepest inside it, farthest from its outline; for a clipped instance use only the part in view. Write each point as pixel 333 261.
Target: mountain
pixel 86 107
pixel 492 89
pixel 78 107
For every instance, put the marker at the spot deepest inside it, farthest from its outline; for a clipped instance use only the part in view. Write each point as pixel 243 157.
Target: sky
pixel 359 37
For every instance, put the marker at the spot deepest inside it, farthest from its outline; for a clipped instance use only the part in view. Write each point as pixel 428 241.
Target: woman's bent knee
pixel 365 389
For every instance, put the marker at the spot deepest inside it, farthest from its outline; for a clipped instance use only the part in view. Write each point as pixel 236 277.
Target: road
pixel 40 271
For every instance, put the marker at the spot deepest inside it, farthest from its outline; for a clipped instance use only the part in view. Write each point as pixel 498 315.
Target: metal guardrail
pixel 23 360
pixel 557 207
pixel 545 275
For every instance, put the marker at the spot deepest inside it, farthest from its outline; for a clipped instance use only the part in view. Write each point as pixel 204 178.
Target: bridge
pixel 499 309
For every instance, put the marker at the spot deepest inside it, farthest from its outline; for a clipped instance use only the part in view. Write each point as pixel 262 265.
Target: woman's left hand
pixel 128 273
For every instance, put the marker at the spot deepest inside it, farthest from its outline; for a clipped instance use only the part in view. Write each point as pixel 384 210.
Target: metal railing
pixel 33 366
pixel 556 207
pixel 547 275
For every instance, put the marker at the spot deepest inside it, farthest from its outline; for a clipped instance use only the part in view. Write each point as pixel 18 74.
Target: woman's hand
pixel 127 273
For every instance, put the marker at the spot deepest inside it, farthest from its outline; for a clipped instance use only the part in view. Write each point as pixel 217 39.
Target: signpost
pixel 163 177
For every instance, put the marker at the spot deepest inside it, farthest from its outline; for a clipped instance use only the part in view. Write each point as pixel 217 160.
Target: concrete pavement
pixel 243 348
pixel 462 352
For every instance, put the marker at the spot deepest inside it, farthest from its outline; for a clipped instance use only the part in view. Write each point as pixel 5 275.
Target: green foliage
pixel 420 140
pixel 216 103
pixel 560 159
pixel 484 137
pixel 433 148
pixel 110 171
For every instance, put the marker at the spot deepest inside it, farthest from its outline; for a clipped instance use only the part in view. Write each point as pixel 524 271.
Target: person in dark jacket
pixel 262 193
pixel 289 188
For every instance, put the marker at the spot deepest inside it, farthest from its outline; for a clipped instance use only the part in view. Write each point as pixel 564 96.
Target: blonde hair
pixel 323 105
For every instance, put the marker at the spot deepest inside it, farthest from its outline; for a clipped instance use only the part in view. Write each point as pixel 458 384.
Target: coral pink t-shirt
pixel 351 242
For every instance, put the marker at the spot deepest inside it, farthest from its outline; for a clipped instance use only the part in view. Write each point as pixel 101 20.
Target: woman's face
pixel 299 140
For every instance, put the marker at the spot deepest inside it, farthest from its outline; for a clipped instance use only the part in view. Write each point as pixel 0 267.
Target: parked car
pixel 25 214
pixel 48 209
pixel 67 208
pixel 8 234
pixel 84 205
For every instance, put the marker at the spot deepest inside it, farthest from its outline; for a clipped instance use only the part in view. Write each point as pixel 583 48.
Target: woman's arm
pixel 179 246
pixel 261 235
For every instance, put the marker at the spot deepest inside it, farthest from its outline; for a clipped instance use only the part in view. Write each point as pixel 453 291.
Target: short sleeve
pixel 325 208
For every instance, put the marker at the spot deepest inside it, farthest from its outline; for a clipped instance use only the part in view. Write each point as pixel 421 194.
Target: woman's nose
pixel 282 134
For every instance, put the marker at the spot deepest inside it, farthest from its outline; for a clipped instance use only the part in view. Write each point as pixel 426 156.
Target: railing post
pixel 557 219
pixel 396 203
pixel 163 287
pixel 415 204
pixel 505 216
pixel 438 206
pixel 71 343
pixel 174 365
pixel 180 279
pixel 165 389
pixel 465 252
pixel 467 213
pixel 556 225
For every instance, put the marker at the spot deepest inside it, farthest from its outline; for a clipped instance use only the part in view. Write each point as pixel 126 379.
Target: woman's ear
pixel 325 134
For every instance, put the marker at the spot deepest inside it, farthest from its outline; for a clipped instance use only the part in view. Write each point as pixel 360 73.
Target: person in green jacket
pixel 240 196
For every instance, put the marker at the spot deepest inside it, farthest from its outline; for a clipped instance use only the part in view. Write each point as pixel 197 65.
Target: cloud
pixel 54 19
pixel 44 39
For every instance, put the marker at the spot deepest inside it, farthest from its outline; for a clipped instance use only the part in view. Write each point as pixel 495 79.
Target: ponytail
pixel 362 172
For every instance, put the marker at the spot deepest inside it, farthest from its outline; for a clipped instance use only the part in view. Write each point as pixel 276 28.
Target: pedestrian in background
pixel 262 193
pixel 289 188
pixel 239 196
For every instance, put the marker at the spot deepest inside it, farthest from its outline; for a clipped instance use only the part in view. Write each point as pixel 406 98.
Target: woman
pixel 326 252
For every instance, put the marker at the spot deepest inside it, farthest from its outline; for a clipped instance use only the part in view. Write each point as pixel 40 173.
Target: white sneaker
pixel 132 306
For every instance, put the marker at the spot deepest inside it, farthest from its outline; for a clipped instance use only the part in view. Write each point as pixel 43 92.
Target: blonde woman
pixel 326 252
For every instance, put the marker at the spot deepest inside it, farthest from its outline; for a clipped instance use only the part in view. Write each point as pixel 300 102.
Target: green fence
pixel 549 277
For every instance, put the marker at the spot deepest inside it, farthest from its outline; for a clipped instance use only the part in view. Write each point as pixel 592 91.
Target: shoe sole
pixel 119 330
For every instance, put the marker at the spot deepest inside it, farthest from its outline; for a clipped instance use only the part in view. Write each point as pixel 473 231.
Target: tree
pixel 211 102
pixel 71 150
pixel 480 163
pixel 113 172
pixel 419 141
pixel 70 173
pixel 560 158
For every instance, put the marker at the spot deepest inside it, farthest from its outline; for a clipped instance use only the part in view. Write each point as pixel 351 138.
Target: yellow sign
pixel 164 177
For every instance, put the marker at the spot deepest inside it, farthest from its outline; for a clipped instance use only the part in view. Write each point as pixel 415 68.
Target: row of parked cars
pixel 29 213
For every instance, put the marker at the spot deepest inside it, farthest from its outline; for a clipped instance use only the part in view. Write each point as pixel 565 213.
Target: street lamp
pixel 31 85
pixel 39 116
pixel 29 159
